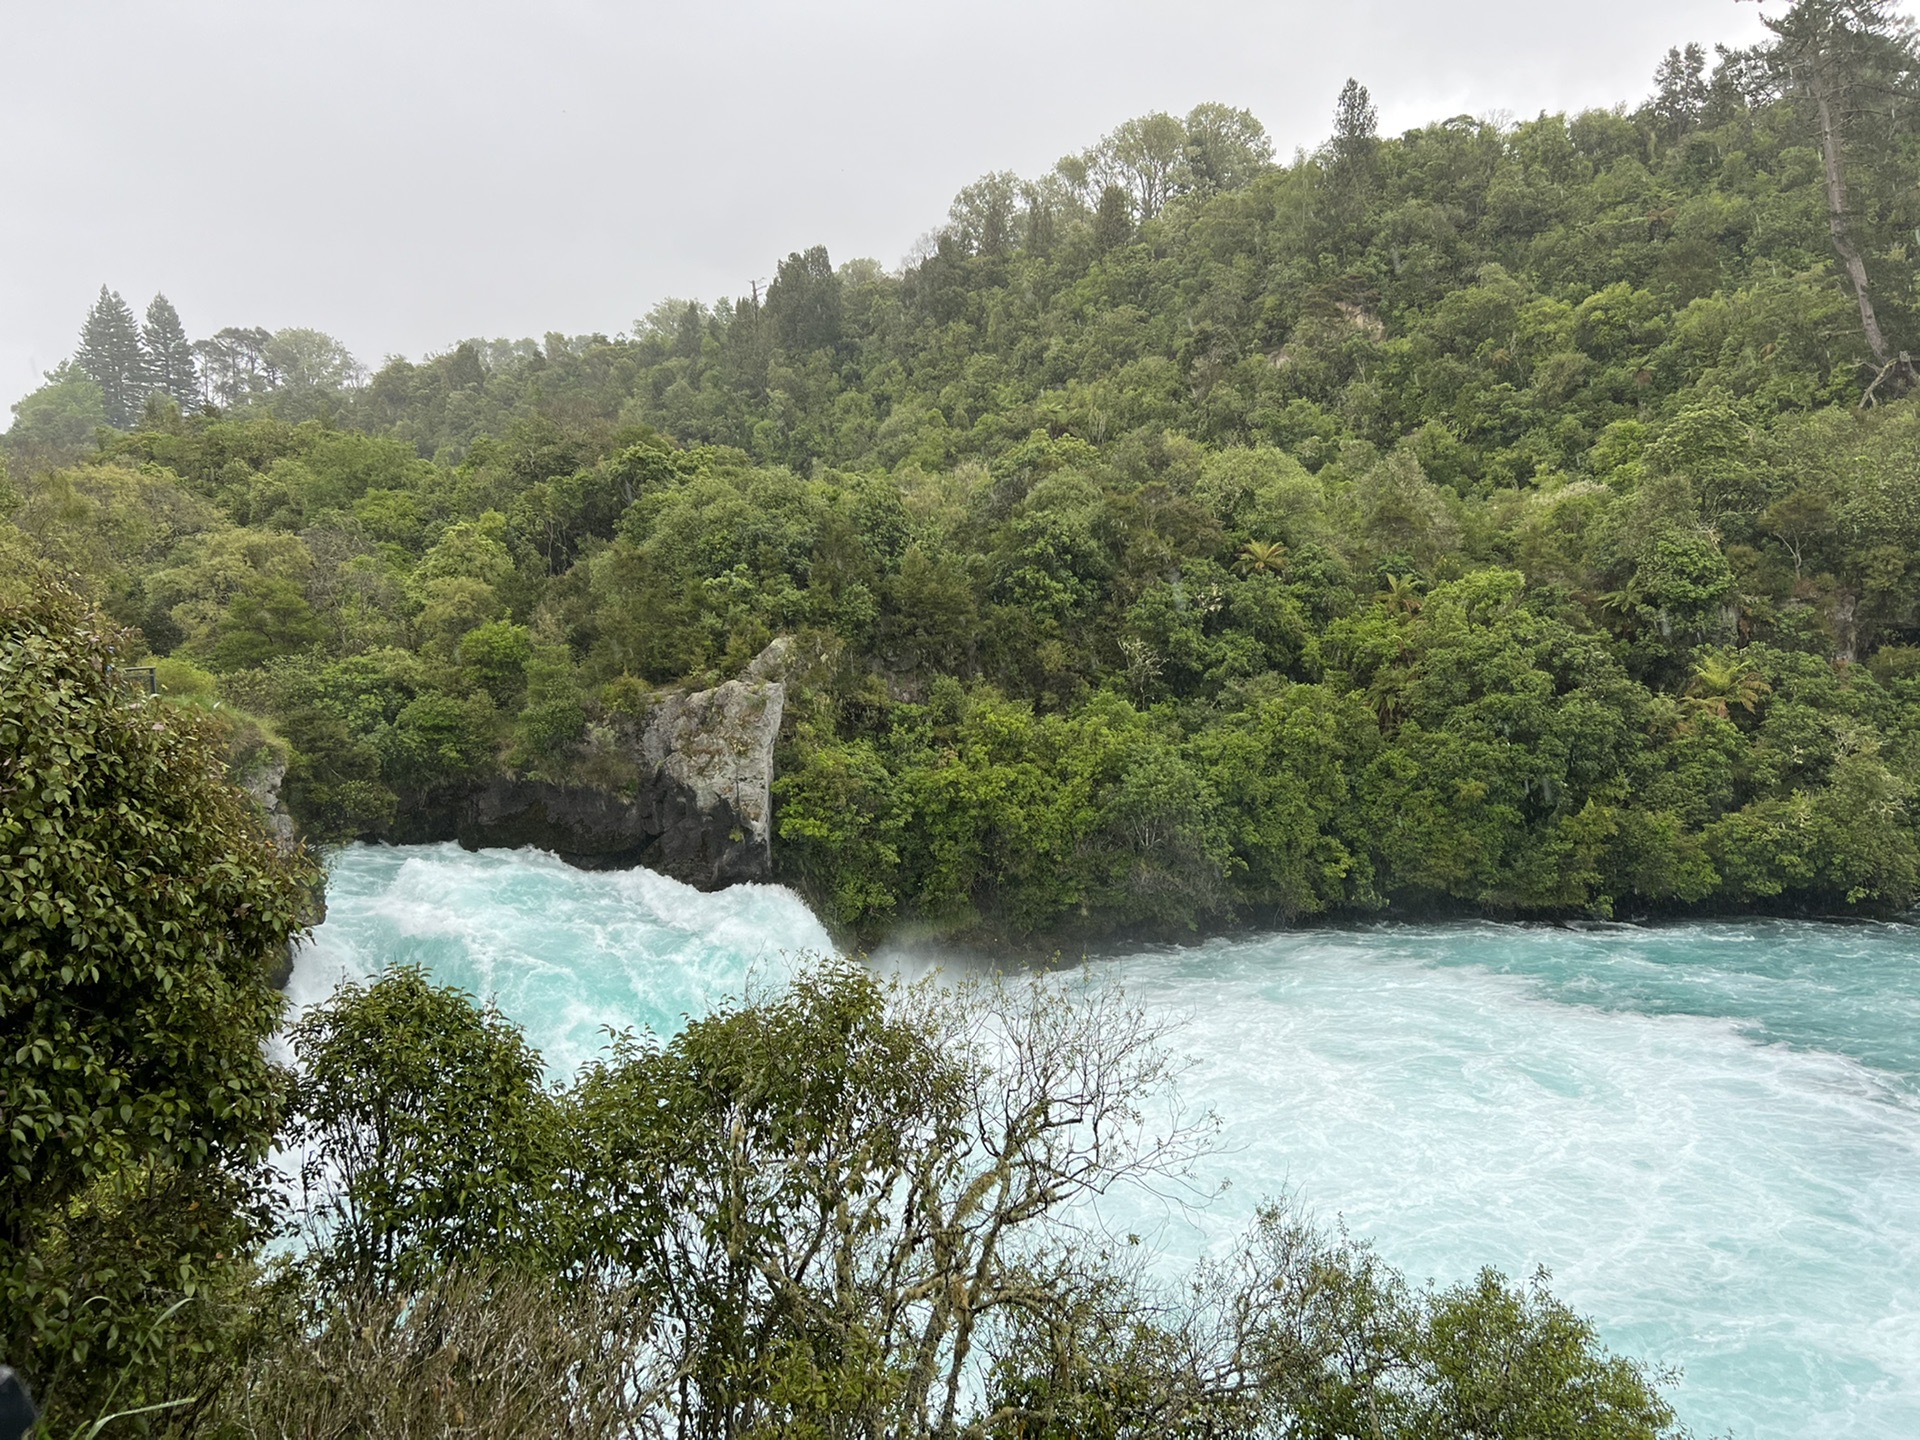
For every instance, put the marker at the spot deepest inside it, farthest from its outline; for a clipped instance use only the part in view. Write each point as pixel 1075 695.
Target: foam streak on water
pixel 1715 1196
pixel 1710 1133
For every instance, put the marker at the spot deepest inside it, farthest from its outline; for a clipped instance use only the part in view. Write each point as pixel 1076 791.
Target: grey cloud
pixel 406 174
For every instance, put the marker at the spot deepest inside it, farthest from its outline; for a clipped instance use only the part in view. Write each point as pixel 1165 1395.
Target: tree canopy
pixel 1509 518
pixel 860 1208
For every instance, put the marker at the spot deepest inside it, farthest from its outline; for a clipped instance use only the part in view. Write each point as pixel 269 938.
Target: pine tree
pixel 168 353
pixel 110 353
pixel 1681 90
pixel 1350 160
pixel 1356 127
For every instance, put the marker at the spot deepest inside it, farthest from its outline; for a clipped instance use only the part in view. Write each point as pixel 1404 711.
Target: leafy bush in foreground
pixel 141 902
pixel 855 1207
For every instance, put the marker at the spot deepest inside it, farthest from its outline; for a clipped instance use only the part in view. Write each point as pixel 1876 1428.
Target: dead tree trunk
pixel 1833 161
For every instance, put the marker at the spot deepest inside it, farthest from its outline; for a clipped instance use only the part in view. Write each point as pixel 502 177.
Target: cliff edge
pixel 702 809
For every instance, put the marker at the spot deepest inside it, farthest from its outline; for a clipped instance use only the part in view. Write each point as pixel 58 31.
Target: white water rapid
pixel 1709 1133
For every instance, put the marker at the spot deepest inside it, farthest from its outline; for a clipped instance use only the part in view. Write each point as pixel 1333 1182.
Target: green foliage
pixel 839 814
pixel 844 1208
pixel 437 741
pixel 1496 518
pixel 168 354
pixel 1454 521
pixel 56 424
pixel 1306 1333
pixel 1516 1362
pixel 110 353
pixel 141 902
pixel 422 1122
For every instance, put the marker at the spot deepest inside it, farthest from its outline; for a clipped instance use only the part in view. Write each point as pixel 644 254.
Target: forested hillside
pixel 1519 518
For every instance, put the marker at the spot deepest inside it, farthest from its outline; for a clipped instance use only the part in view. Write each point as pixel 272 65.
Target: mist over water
pixel 1709 1133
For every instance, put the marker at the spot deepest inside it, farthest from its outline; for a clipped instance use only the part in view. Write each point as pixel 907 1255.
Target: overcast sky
pixel 403 175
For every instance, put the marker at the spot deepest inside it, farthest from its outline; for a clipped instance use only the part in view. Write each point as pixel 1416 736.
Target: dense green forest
pixel 1516 518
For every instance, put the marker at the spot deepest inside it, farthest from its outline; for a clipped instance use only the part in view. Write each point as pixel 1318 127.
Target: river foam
pixel 567 953
pixel 1709 1133
pixel 1717 1198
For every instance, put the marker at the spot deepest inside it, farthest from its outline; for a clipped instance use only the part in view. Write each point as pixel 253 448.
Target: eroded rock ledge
pixel 701 809
pixel 701 812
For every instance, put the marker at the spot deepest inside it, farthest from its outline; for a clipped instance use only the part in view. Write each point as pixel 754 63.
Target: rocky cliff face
pixel 701 812
pixel 263 781
pixel 701 809
pixel 262 778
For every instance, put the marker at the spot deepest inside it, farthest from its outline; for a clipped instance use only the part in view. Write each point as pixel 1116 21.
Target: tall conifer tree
pixel 1356 126
pixel 1351 154
pixel 110 353
pixel 1681 90
pixel 168 353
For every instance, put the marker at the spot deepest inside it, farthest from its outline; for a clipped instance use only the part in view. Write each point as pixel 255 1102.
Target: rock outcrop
pixel 711 803
pixel 701 811
pixel 263 781
pixel 261 774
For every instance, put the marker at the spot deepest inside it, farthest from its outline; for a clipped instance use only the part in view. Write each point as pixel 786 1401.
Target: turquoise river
pixel 1708 1133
